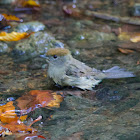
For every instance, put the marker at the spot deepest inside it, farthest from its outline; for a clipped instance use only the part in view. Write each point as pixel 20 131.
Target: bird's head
pixel 58 56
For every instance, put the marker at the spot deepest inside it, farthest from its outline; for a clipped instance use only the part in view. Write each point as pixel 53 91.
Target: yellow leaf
pixel 30 3
pixel 11 17
pixel 13 36
pixel 23 118
pixel 135 38
pixel 124 36
pixel 57 99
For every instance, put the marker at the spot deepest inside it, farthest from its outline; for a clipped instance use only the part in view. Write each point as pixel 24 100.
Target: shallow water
pixel 111 111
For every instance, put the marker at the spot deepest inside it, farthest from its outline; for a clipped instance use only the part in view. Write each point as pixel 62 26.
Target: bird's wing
pixel 80 75
pixel 78 69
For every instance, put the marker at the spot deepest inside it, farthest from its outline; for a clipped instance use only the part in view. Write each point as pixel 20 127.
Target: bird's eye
pixel 55 56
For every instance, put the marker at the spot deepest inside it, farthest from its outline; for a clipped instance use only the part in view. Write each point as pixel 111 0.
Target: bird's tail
pixel 117 72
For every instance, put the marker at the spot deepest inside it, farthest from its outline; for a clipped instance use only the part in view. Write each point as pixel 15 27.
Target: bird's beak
pixel 44 56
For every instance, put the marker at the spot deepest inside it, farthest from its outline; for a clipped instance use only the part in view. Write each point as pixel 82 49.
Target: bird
pixel 68 71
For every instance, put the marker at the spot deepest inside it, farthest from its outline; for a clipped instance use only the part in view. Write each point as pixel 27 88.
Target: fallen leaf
pixel 125 51
pixel 30 3
pixel 7 113
pixel 18 127
pixel 23 118
pixel 12 18
pixel 135 38
pixel 130 45
pixel 124 36
pixel 39 98
pixel 13 36
pixel 3 22
pixel 138 62
pixel 15 127
pixel 29 137
pixel 72 10
pixel 4 72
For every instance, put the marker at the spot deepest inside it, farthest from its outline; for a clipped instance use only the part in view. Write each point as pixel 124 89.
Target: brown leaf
pixel 125 51
pixel 130 45
pixel 72 10
pixel 4 72
pixel 39 98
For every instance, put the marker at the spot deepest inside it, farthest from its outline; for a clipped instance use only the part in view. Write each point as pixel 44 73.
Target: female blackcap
pixel 67 71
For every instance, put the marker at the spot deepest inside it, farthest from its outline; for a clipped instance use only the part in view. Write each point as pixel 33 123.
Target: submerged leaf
pixel 13 36
pixel 125 51
pixel 39 98
pixel 124 36
pixel 135 38
pixel 7 113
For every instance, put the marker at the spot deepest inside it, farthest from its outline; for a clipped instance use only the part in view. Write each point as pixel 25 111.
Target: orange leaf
pixel 7 113
pixel 13 36
pixel 15 127
pixel 47 98
pixel 11 18
pixel 22 118
pixel 39 98
pixel 30 3
pixel 125 51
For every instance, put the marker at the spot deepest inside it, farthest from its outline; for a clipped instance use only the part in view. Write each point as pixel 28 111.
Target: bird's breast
pixel 56 73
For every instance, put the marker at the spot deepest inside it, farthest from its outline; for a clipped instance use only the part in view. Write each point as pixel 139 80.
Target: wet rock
pixel 6 1
pixel 4 48
pixel 135 10
pixel 96 36
pixel 75 136
pixel 3 22
pixel 77 118
pixel 38 43
pixel 37 63
pixel 125 105
pixel 33 26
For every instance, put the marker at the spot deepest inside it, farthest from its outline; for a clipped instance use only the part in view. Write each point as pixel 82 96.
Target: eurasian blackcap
pixel 67 71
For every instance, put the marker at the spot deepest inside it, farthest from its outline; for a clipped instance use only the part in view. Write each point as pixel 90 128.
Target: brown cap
pixel 58 52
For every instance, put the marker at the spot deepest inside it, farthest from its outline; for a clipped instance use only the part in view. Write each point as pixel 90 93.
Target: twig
pixel 127 20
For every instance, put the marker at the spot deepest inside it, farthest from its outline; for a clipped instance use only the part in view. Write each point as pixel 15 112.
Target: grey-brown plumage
pixel 67 71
